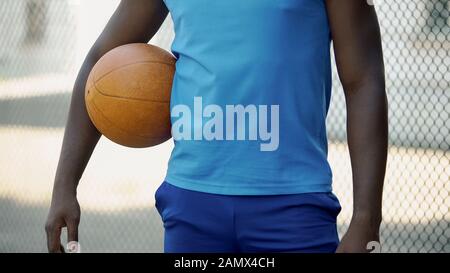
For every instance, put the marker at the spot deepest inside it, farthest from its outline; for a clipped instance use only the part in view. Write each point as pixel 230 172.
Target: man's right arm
pixel 133 22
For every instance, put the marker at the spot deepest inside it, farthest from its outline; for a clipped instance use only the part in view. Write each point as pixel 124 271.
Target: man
pixel 224 195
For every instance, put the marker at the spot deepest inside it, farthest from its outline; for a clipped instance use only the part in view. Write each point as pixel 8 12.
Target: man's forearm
pixel 80 136
pixel 367 128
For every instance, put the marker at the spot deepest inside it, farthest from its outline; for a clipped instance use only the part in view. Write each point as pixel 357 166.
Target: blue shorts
pixel 204 222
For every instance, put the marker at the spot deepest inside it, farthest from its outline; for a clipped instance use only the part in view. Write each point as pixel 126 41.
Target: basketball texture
pixel 128 95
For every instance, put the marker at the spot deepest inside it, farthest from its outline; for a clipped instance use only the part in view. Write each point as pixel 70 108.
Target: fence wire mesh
pixel 42 46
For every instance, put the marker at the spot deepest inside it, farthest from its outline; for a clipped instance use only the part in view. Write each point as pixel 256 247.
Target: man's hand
pixel 64 212
pixel 360 232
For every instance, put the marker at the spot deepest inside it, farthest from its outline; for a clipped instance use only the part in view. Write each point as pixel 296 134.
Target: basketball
pixel 128 94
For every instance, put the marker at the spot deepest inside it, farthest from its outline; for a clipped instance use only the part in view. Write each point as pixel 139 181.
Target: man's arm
pixel 133 22
pixel 359 58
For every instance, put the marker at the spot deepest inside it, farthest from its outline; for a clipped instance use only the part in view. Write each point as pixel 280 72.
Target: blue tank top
pixel 250 96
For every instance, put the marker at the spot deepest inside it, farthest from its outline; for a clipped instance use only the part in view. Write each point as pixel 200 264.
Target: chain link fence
pixel 43 44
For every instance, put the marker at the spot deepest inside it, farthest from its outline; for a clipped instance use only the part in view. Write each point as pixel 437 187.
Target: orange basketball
pixel 128 95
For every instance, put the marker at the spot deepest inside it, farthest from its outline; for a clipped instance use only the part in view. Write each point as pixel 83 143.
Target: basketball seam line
pixel 126 98
pixel 118 68
pixel 120 97
pixel 118 127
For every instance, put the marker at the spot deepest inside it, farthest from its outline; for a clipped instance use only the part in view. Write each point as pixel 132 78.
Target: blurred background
pixel 42 45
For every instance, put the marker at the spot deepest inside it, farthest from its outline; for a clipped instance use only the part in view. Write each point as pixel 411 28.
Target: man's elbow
pixel 367 82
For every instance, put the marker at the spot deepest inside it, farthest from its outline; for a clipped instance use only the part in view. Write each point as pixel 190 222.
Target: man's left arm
pixel 359 58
